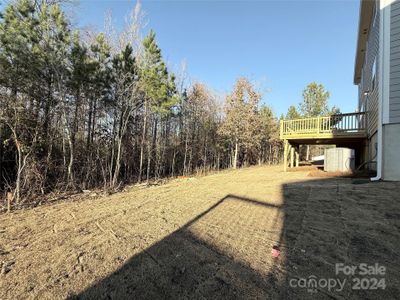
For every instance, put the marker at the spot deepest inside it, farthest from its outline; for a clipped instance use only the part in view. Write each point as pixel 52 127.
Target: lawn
pixel 210 237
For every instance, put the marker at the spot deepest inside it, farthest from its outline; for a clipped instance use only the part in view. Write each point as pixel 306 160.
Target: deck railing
pixel 335 125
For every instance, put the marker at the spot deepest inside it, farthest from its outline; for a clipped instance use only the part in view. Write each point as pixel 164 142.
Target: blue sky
pixel 283 45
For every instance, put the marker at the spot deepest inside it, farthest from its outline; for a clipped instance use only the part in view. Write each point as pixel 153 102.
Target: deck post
pixel 285 155
pixel 297 156
pixel 292 157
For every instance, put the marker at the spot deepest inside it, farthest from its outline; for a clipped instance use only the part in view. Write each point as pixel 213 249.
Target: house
pixel 377 74
pixel 374 131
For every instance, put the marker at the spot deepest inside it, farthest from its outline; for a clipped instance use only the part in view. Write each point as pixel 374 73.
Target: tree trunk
pixel 89 133
pixel 47 109
pixel 70 175
pixel 235 157
pixel 94 120
pixel 144 133
pixel 17 193
pixel 76 116
pixel 185 156
pixel 123 123
pixel 148 162
pixel 114 134
pixel 205 156
pixel 173 163
pixel 117 162
pixel 150 149
pixel 71 163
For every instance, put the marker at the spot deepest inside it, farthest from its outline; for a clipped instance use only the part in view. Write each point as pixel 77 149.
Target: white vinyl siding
pixel 394 88
pixel 370 68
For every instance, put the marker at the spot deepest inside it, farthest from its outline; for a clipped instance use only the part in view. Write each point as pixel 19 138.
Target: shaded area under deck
pixel 343 130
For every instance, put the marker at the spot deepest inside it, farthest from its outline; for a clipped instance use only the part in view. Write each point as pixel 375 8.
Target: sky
pixel 280 45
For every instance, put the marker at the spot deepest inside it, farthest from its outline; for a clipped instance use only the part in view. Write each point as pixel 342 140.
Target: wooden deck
pixel 336 126
pixel 337 129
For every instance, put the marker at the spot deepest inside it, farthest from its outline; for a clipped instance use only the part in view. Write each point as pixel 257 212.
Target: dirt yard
pixel 209 238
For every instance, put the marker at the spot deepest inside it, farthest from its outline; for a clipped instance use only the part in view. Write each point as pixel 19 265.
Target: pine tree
pixel 125 102
pixel 159 90
pixel 315 101
pixel 293 113
pixel 101 81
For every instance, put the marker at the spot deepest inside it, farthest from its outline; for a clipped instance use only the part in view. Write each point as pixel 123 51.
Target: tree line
pixel 80 110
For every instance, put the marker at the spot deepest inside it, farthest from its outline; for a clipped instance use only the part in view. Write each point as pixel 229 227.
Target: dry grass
pixel 207 237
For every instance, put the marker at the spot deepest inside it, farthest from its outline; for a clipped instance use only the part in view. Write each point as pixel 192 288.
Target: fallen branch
pixel 113 234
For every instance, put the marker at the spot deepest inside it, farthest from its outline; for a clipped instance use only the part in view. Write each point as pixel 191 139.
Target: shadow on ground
pixel 225 252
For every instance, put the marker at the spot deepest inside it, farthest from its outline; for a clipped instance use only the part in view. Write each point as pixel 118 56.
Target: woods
pixel 80 110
